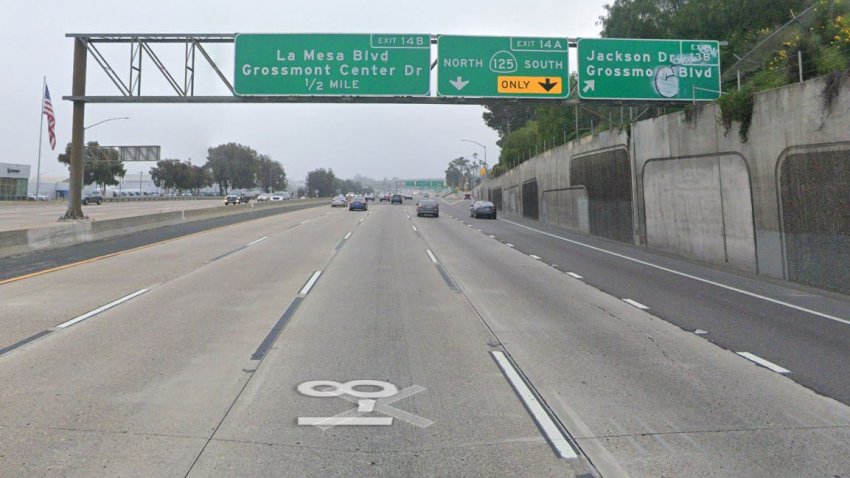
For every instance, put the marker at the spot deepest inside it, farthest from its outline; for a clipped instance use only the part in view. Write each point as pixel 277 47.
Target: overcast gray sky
pixel 407 141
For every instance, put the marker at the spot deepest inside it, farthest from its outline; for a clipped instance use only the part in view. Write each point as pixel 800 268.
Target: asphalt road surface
pixel 333 343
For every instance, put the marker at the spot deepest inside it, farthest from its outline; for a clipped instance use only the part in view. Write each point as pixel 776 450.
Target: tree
pixel 101 166
pixel 507 117
pixel 271 175
pixel 172 174
pixel 322 180
pixel 463 173
pixel 233 165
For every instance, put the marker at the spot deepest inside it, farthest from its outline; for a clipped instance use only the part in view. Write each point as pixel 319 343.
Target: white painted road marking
pixel 101 309
pixel 537 258
pixel 431 255
pixel 636 304
pixel 552 432
pixel 414 229
pixel 763 362
pixel 492 236
pixel 683 274
pixel 258 240
pixel 310 283
pixel 347 236
pixel 573 274
pixel 367 402
pixel 700 332
pixel 509 244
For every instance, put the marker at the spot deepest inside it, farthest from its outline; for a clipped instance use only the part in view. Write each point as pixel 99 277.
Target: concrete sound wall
pixel 777 204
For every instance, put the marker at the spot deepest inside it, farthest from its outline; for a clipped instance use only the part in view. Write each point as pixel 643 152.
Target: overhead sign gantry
pixel 393 68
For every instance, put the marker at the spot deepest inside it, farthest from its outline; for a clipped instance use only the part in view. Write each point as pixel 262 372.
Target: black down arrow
pixel 548 85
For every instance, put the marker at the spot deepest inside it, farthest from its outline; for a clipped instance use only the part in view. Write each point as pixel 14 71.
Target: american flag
pixel 47 109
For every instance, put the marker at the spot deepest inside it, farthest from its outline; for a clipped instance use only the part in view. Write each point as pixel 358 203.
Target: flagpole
pixel 40 132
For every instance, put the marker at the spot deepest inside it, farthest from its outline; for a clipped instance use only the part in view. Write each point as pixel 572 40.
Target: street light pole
pixel 83 162
pixel 485 150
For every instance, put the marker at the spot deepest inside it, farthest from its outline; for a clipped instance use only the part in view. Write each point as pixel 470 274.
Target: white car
pixel 276 197
pixel 263 198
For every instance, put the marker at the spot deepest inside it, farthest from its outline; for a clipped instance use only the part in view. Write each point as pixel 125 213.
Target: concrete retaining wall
pixel 75 232
pixel 777 204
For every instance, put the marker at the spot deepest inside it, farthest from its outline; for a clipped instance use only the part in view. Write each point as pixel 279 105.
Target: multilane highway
pixel 325 342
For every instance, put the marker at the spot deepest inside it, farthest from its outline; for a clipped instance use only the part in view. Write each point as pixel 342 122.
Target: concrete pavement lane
pixel 382 311
pixel 815 349
pixel 138 389
pixel 42 302
pixel 641 396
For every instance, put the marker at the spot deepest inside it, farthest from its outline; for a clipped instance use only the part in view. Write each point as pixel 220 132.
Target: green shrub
pixel 830 59
pixel 737 106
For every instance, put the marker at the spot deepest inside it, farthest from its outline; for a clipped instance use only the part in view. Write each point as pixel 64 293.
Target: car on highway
pixel 339 201
pixel 396 199
pixel 276 197
pixel 369 196
pixel 407 196
pixel 33 197
pixel 385 197
pixel 231 199
pixel 467 196
pixel 93 197
pixel 358 203
pixel 428 207
pixel 482 209
pixel 263 198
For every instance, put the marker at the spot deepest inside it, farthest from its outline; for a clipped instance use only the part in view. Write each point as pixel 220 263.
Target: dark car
pixel 93 197
pixel 359 203
pixel 482 209
pixel 231 199
pixel 245 198
pixel 428 207
pixel 396 199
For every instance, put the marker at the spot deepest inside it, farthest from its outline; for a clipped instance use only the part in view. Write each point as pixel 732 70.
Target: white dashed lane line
pixel 636 304
pixel 574 275
pixel 100 309
pixel 764 363
pixel 310 283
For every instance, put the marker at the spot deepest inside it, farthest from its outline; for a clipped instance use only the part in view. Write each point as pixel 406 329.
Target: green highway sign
pixel 423 184
pixel 502 67
pixel 661 70
pixel 332 64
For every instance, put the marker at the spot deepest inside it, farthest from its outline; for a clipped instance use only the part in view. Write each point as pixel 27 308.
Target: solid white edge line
pixel 574 275
pixel 431 255
pixel 347 236
pixel 492 236
pixel 509 244
pixel 414 229
pixel 683 274
pixel 552 432
pixel 537 258
pixel 636 304
pixel 258 241
pixel 763 362
pixel 310 283
pixel 101 309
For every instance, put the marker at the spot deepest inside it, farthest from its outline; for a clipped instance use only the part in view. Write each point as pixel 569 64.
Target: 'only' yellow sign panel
pixel 531 85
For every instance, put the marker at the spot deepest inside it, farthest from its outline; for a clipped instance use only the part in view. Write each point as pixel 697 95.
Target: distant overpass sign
pixel 654 70
pixel 332 64
pixel 423 184
pixel 502 67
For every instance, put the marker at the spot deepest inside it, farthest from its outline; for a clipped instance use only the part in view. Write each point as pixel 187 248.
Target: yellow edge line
pixel 113 254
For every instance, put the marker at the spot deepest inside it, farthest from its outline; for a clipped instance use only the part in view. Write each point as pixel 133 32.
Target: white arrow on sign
pixel 589 85
pixel 459 83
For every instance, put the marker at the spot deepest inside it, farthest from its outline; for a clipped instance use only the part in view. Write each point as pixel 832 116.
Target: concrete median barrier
pixel 65 234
